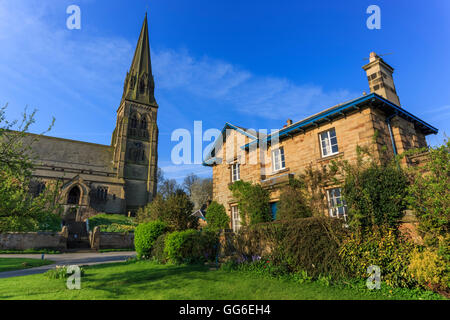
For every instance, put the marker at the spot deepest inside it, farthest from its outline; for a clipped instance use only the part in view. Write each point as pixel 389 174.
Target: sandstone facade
pixel 270 160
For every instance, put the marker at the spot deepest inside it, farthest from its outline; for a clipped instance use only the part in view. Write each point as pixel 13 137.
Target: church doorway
pixel 74 196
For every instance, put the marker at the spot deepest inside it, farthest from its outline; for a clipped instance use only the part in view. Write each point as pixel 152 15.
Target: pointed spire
pixel 139 85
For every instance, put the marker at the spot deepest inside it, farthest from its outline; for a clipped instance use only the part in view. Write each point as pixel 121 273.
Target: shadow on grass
pixel 141 276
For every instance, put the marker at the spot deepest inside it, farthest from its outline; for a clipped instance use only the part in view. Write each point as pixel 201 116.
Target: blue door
pixel 273 209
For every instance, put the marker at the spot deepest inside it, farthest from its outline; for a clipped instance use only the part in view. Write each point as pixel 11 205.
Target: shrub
pixel 190 246
pixel 375 196
pixel 293 202
pixel 381 247
pixel 60 272
pixel 217 217
pixel 429 194
pixel 429 269
pixel 303 245
pixel 158 252
pixel 253 202
pixel 145 236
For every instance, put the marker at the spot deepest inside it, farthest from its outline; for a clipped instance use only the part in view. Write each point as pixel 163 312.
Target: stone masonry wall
pixel 111 240
pixel 34 240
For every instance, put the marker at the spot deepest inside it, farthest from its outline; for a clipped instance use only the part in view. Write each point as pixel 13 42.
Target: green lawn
pixel 10 264
pixel 112 223
pixel 148 280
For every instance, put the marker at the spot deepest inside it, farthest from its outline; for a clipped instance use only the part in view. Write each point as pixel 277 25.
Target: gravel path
pixel 89 258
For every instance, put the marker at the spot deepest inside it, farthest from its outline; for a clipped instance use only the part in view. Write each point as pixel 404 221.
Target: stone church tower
pixel 116 178
pixel 135 138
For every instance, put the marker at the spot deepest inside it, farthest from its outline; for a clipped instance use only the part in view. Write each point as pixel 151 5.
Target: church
pixel 116 178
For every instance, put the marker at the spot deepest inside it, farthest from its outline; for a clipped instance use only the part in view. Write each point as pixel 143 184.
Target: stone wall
pixel 110 240
pixel 34 240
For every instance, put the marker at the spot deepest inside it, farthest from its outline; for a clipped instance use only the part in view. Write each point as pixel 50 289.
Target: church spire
pixel 139 84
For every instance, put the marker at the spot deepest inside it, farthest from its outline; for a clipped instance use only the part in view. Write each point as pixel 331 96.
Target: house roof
pixel 244 131
pixel 329 114
pixel 341 109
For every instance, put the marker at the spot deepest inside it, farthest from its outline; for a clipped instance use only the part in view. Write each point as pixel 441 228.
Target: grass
pixel 112 223
pixel 10 264
pixel 149 280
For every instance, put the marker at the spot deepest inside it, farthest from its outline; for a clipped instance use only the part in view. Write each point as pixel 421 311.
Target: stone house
pixel 115 178
pixel 334 133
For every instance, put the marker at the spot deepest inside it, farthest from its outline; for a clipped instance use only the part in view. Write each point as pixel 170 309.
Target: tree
pixel 178 212
pixel 20 210
pixel 166 187
pixel 189 181
pixel 201 192
pixel 175 210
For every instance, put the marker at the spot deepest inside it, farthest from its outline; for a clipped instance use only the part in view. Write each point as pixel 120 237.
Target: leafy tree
pixel 175 210
pixel 253 202
pixel 152 211
pixel 20 210
pixel 294 202
pixel 217 217
pixel 178 212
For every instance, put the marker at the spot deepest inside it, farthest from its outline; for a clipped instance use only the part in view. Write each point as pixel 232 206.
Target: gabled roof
pixel 341 109
pixel 329 114
pixel 220 138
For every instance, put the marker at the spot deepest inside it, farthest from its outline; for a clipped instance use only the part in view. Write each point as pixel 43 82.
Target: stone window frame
pixel 278 159
pixel 235 218
pixel 235 171
pixel 328 143
pixel 337 208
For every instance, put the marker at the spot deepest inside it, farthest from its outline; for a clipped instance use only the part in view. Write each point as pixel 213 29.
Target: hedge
pixel 308 244
pixel 190 246
pixel 145 236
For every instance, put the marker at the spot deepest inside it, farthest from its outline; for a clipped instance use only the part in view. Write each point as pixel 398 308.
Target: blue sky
pixel 252 63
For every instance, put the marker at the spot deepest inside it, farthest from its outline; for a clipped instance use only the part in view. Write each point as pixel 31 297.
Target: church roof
pixel 139 85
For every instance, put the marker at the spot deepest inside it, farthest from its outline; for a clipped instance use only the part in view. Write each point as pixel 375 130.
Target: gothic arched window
pixel 144 127
pixel 136 153
pixel 133 122
pixel 133 125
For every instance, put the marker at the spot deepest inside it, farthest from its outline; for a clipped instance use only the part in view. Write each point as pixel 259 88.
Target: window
pixel 273 209
pixel 336 205
pixel 278 162
pixel 328 143
pixel 102 193
pixel 236 219
pixel 235 172
pixel 133 125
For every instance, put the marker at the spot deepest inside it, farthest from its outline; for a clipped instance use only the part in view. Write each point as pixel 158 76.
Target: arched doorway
pixel 74 196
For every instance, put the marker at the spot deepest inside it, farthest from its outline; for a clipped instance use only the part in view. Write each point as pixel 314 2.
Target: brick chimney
pixel 289 122
pixel 381 81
